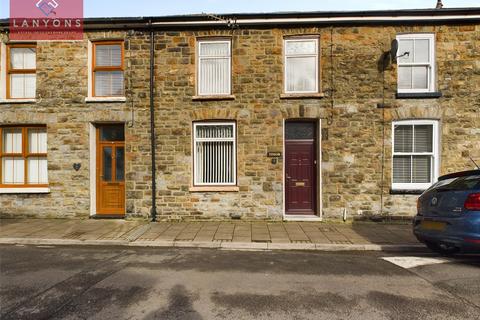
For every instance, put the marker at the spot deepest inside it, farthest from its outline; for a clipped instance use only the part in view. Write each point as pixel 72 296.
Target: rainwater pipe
pixel 152 124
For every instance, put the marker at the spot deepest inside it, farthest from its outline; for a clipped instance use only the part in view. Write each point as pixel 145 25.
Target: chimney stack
pixel 439 4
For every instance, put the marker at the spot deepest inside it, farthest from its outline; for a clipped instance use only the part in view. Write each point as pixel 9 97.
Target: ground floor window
pixel 214 153
pixel 23 154
pixel 415 154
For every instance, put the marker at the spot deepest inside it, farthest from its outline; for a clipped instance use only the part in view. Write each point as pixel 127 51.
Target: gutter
pixel 421 16
pixel 152 125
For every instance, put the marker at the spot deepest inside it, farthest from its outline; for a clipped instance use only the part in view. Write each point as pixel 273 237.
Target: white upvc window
pixel 416 160
pixel 214 67
pixel 416 63
pixel 301 65
pixel 214 153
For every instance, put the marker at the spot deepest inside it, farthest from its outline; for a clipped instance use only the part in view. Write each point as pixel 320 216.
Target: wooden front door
pixel 300 168
pixel 111 170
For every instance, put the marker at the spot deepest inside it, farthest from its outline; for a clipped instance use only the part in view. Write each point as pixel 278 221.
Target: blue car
pixel 448 214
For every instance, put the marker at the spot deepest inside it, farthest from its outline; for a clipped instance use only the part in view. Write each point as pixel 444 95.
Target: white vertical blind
pixel 214 67
pixel 301 65
pixel 415 65
pixel 215 154
pixel 413 154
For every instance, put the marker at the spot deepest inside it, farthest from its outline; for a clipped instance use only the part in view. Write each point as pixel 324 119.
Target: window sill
pixel 17 101
pixel 24 190
pixel 302 95
pixel 419 95
pixel 406 191
pixel 214 98
pixel 105 99
pixel 215 189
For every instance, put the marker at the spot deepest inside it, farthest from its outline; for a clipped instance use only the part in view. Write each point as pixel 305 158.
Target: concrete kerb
pixel 215 245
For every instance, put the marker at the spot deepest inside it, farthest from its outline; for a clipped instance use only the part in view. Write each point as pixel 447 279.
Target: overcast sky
pixel 130 8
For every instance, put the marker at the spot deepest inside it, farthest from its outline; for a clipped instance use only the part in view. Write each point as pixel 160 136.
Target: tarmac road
pixel 55 282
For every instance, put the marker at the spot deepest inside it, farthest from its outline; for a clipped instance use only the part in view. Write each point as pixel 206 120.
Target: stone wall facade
pixel 356 151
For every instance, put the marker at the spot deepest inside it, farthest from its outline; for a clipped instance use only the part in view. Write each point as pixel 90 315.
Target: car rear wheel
pixel 443 249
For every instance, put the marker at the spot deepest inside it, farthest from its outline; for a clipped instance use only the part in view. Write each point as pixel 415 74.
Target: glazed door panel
pixel 110 170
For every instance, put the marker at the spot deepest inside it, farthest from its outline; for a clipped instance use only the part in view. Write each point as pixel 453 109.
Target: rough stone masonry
pixel 356 150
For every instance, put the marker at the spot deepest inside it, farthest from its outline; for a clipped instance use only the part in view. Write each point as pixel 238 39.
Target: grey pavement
pixel 228 235
pixel 85 282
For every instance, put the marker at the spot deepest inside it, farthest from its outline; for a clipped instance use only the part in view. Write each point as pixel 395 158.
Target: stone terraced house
pixel 283 116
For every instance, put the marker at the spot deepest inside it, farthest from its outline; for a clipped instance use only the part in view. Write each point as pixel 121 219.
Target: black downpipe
pixel 152 125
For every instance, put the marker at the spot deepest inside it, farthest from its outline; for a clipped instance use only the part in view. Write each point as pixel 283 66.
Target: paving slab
pixel 228 235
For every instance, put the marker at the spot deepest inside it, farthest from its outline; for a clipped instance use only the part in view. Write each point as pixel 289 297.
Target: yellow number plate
pixel 433 225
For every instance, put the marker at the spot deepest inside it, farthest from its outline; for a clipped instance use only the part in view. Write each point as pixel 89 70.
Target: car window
pixel 444 183
pixel 462 183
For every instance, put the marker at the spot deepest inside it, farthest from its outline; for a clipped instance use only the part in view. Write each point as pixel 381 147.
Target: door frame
pixel 318 216
pixel 93 171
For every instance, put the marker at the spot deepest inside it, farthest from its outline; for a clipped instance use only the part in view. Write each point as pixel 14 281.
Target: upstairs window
pixel 416 63
pixel 23 156
pixel 214 153
pixel 301 65
pixel 415 154
pixel 21 71
pixel 214 67
pixel 108 67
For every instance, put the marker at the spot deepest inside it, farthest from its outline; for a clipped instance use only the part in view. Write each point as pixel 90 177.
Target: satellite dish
pixel 394 50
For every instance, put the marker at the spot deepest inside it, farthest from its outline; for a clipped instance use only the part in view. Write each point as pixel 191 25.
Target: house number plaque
pixel 274 155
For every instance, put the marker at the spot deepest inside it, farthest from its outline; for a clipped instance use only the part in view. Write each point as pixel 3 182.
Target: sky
pixel 132 8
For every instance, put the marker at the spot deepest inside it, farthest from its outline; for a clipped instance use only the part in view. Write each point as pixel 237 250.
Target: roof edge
pixel 355 17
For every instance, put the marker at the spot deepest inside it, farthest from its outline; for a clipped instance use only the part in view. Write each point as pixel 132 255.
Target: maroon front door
pixel 300 168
